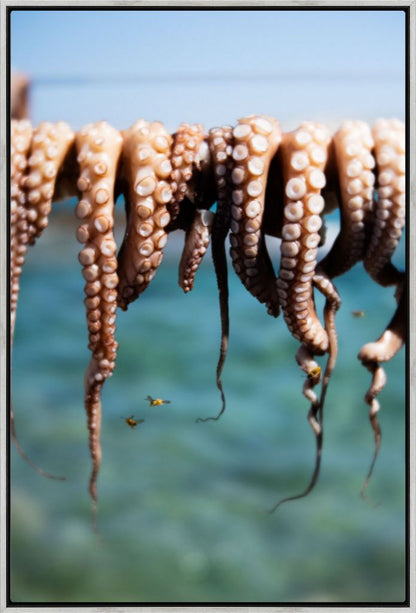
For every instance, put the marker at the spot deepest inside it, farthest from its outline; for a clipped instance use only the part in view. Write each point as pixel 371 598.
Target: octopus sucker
pixel 146 170
pixel 196 244
pixel 371 355
pixel 99 148
pixel 354 163
pixel 303 155
pixel 20 140
pixel 256 141
pixel 220 143
pixel 185 157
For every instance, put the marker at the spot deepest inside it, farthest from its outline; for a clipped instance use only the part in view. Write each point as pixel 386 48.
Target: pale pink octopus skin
pixel 99 148
pixel 256 140
pixel 146 169
pixel 370 229
pixel 196 244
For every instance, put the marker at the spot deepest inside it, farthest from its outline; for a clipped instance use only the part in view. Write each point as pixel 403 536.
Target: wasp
pixel 155 402
pixel 357 313
pixel 314 373
pixel 132 422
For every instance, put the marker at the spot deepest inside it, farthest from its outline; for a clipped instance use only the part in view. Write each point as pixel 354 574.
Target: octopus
pixel 245 182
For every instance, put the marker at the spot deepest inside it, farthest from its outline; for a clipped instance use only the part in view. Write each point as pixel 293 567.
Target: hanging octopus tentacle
pixel 390 207
pixel 185 156
pixel 21 136
pixel 51 144
pixel 383 350
pixel 99 147
pixel 352 145
pixel 220 143
pixel 333 302
pixel 354 162
pixel 390 210
pixel 196 244
pixel 146 168
pixel 303 155
pixel 256 140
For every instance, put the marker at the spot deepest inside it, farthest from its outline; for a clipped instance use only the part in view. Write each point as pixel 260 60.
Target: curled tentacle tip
pixel 204 419
pixel 368 500
pixel 273 509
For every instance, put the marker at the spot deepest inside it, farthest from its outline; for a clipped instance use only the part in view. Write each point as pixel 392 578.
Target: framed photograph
pixel 206 374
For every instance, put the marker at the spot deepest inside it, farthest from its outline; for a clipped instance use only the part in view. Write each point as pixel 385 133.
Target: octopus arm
pixel 21 135
pixel 185 158
pixel 371 355
pixel 352 152
pixel 304 155
pixel 196 244
pixel 256 141
pixel 51 143
pixel 99 147
pixel 20 140
pixel 146 166
pixel 220 143
pixel 390 207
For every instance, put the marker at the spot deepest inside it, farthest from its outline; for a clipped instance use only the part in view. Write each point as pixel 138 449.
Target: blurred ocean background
pixel 181 504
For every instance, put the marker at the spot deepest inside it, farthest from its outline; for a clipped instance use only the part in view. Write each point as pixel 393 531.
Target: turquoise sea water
pixel 181 504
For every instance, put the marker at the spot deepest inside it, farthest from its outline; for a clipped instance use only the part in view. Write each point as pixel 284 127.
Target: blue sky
pixel 211 66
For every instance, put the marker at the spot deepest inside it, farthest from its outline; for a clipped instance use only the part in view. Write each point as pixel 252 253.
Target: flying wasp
pixel 155 402
pixel 132 422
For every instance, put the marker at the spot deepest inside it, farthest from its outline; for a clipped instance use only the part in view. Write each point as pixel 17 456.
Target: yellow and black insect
pixel 155 402
pixel 358 313
pixel 132 422
pixel 314 374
